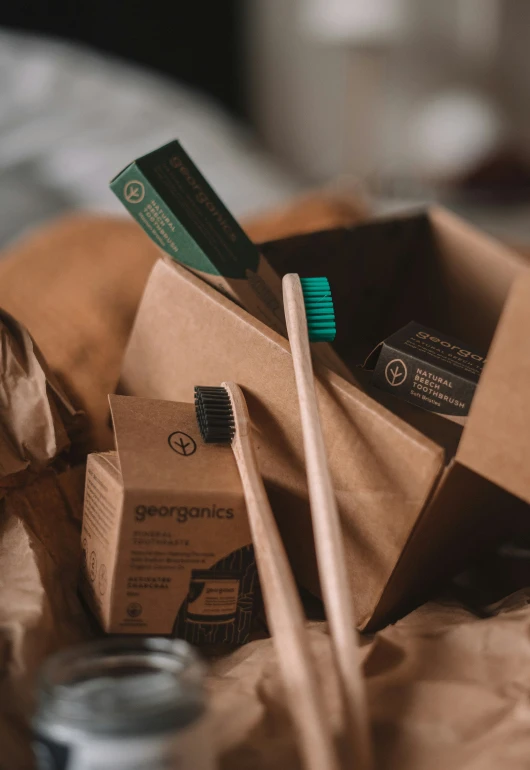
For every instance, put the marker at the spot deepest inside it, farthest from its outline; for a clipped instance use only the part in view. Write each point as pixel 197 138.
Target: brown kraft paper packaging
pixel 36 417
pixel 411 504
pixel 466 710
pixel 166 542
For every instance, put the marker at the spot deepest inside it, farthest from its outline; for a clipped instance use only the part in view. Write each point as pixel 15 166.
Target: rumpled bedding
pixel 70 119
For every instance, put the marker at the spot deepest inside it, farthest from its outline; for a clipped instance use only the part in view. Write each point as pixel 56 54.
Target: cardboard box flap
pixel 496 441
pixel 367 266
pixel 466 514
pixel 160 448
pixel 188 334
pixel 471 280
pixel 431 267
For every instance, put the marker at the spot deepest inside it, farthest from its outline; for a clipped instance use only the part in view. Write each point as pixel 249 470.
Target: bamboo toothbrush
pixel 223 418
pixel 310 316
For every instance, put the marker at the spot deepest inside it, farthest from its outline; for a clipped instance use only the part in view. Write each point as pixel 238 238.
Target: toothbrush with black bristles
pixel 310 317
pixel 223 419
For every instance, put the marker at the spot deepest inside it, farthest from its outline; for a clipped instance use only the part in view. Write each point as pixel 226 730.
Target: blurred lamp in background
pixel 361 21
pixel 451 123
pixel 454 131
pixel 367 29
pixel 401 94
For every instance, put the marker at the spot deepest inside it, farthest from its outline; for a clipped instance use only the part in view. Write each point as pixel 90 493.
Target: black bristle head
pixel 213 409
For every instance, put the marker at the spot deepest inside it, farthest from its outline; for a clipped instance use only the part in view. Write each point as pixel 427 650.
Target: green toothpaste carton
pixel 169 197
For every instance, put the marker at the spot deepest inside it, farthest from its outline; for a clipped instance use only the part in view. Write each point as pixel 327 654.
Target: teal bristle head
pixel 319 309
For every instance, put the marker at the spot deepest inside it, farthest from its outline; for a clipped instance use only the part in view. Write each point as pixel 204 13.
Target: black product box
pixel 427 368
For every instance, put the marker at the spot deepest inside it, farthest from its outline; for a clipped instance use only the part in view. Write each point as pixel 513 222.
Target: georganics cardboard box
pixel 166 542
pixel 167 195
pixel 416 493
pixel 429 369
pixel 171 200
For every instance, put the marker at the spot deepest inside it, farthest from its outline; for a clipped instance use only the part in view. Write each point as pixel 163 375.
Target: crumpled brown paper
pixel 34 411
pixel 40 553
pixel 447 687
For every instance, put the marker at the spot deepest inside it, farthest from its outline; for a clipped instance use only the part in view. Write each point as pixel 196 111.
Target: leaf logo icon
pixel 182 444
pixel 396 372
pixel 134 191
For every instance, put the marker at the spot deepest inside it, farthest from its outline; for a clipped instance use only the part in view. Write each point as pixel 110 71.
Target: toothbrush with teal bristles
pixel 310 317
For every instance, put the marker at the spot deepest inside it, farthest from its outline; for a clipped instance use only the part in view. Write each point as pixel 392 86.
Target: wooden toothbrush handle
pixel 284 610
pixel 329 546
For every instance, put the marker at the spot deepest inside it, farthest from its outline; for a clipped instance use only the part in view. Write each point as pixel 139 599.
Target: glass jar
pixel 134 704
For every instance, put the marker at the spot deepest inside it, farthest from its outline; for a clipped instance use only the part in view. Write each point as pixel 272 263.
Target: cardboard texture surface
pixel 385 471
pixel 496 443
pixel 448 687
pixel 166 540
pixel 259 360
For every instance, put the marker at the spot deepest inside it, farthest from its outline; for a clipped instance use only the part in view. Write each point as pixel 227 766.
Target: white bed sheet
pixel 71 118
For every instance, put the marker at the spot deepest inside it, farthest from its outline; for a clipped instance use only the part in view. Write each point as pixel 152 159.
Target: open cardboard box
pixel 415 496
